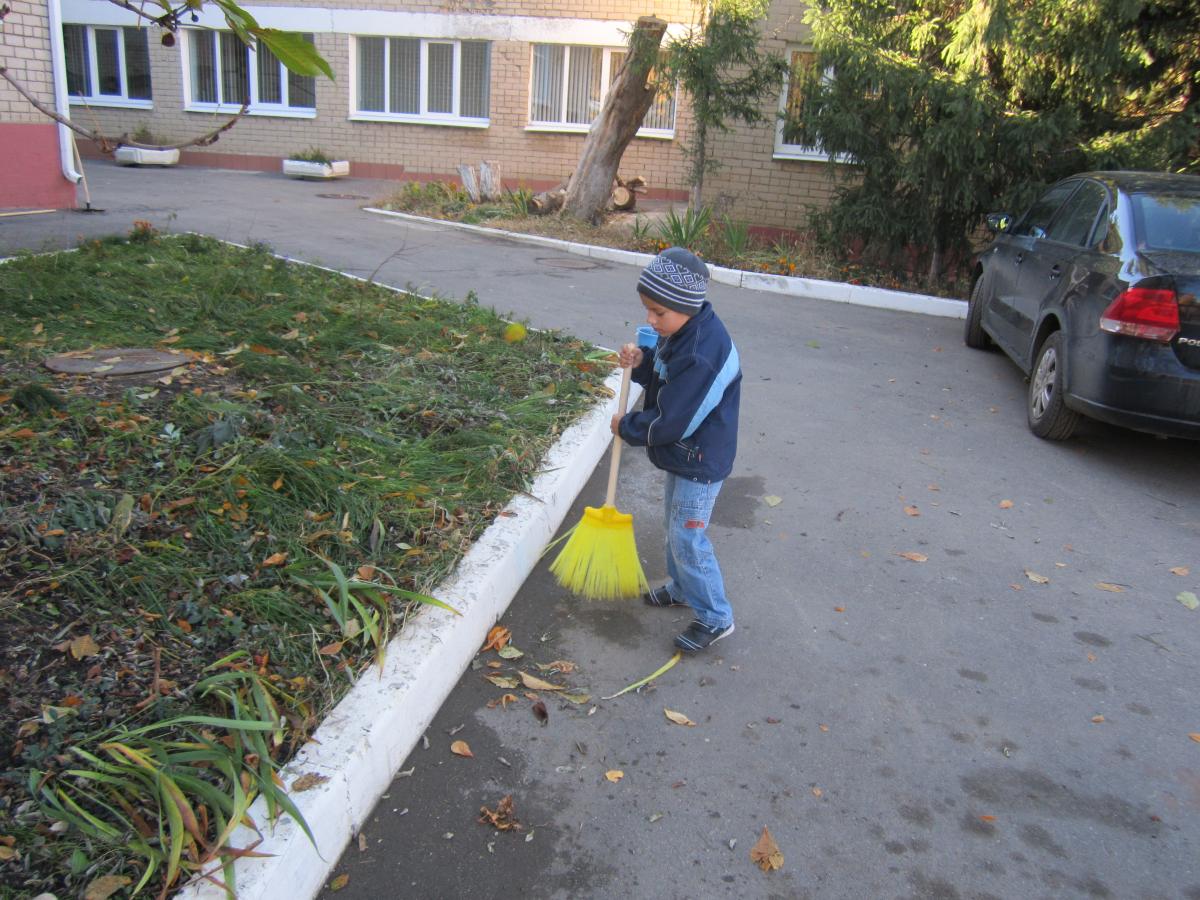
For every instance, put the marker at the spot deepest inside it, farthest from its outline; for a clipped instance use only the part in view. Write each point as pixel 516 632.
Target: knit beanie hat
pixel 677 279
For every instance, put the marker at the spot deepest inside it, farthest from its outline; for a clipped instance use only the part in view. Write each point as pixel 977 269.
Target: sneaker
pixel 660 596
pixel 699 637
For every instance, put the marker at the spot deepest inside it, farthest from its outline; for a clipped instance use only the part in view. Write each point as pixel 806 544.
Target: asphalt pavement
pixel 960 668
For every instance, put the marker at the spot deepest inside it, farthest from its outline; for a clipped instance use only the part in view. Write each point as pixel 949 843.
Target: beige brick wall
pixel 751 185
pixel 25 52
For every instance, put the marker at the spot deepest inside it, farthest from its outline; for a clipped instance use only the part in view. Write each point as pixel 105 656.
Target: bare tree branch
pixel 106 144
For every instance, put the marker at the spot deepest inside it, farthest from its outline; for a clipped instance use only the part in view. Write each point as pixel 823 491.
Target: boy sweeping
pixel 689 428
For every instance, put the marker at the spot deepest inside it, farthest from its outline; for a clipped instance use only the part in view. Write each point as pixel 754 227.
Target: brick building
pixel 421 87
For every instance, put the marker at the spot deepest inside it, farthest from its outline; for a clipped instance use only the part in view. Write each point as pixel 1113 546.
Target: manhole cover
pixel 343 196
pixel 115 361
pixel 568 262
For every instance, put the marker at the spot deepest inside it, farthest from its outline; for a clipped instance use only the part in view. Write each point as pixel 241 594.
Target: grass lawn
pixel 195 565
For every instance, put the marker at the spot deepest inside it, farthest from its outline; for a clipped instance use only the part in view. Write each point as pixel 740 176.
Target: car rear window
pixel 1167 221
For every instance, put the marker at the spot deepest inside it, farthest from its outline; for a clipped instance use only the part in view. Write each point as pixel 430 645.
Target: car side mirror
pixel 999 223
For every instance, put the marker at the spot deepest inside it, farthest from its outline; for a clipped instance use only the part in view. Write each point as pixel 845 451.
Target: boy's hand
pixel 630 356
pixel 615 424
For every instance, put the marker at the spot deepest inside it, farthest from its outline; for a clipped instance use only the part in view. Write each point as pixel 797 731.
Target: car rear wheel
pixel 1049 416
pixel 973 334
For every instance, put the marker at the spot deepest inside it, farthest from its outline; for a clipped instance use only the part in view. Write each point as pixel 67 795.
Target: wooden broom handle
pixel 615 463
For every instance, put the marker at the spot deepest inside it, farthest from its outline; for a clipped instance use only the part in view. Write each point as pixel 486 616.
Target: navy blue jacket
pixel 693 382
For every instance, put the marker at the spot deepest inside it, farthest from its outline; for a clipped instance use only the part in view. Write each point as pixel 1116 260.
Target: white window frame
pixel 257 107
pixel 605 84
pixel 454 118
pixel 785 150
pixel 123 100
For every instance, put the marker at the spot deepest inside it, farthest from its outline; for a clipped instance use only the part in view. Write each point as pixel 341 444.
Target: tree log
pixel 489 180
pixel 547 201
pixel 625 106
pixel 623 198
pixel 470 182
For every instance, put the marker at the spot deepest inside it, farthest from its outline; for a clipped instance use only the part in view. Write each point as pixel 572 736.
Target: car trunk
pixel 1185 273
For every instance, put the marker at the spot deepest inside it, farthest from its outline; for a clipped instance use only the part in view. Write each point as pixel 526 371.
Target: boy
pixel 689 428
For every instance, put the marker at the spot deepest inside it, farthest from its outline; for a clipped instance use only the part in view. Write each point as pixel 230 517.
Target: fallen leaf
pixel 496 638
pixel 1006 504
pixel 817 792
pixel 7 853
pixel 915 557
pixel 1096 720
pixel 105 886
pixel 562 666
pixel 340 882
pixel 911 511
pixel 614 775
pixel 460 748
pixel 839 609
pixel 508 651
pixel 766 854
pixel 365 573
pixel 1036 578
pixel 1195 736
pixel 1181 570
pixel 637 684
pixel 823 727
pixel 536 684
pixel 308 781
pixel 987 818
pixel 1188 599
pixel 577 699
pixel 331 649
pixel 540 712
pixel 83 646
pixel 772 500
pixel 678 718
pixel 502 817
pixel 362 843
pixel 1111 588
pixel 275 559
pixel 507 699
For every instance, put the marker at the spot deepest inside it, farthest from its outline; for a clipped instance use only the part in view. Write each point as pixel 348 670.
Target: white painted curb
pixel 363 742
pixel 809 288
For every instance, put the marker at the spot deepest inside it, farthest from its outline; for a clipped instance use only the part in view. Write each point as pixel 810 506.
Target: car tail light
pixel 1151 313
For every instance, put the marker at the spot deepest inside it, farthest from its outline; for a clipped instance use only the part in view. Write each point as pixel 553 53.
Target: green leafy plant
pixel 519 201
pixel 312 155
pixel 736 235
pixel 688 230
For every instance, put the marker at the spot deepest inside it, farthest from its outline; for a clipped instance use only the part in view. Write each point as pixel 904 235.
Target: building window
pixel 224 73
pixel 569 83
pixel 791 103
pixel 403 79
pixel 107 66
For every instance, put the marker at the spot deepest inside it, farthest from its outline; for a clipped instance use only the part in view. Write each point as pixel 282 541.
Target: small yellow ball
pixel 515 332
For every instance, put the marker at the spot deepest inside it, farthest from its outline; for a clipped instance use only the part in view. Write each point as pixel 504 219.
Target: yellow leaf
pixel 536 684
pixel 275 559
pixel 1096 720
pixel 614 775
pixel 7 853
pixel 105 886
pixel 766 853
pixel 37 329
pixel 497 637
pixel 1006 504
pixel 1111 588
pixel 83 646
pixel 461 748
pixel 915 557
pixel 1181 570
pixel 1195 736
pixel 1036 578
pixel 678 718
pixel 170 340
pixel 278 483
pixel 340 882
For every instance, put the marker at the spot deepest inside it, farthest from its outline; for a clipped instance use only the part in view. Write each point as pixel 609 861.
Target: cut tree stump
pixel 623 198
pixel 489 180
pixel 548 201
pixel 470 182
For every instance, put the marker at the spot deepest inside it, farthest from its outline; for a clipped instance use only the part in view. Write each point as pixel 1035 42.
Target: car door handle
pixel 1055 271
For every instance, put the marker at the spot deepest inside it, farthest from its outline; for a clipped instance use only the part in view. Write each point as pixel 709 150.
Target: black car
pixel 1095 294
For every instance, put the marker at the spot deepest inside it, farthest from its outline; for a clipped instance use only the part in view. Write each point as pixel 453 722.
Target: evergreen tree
pixel 950 108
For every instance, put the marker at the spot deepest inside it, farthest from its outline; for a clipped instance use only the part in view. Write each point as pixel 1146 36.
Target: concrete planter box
pixel 300 169
pixel 140 156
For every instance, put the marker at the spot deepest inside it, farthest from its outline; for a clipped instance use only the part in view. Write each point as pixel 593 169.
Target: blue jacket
pixel 693 382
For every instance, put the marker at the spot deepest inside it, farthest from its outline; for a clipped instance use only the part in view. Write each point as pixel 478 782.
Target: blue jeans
pixel 694 575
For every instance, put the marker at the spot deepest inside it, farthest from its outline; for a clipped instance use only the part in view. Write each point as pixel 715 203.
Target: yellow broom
pixel 600 559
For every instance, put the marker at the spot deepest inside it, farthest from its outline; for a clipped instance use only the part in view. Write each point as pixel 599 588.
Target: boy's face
pixel 664 321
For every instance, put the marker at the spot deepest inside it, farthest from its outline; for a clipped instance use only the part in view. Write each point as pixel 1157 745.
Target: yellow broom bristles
pixel 600 559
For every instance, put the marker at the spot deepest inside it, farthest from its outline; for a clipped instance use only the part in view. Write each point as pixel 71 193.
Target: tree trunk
pixel 628 101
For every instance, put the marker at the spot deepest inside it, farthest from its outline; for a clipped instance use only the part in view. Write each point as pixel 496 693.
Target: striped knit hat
pixel 677 279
